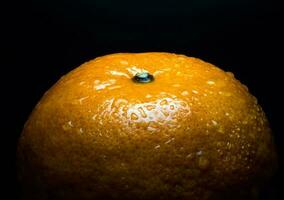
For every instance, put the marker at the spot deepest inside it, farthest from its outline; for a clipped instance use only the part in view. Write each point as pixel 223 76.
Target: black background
pixel 43 40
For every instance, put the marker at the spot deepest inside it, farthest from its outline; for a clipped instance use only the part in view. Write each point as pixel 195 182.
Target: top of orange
pixel 186 132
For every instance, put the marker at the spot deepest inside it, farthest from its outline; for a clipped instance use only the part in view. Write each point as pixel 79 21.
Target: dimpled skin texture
pixel 194 133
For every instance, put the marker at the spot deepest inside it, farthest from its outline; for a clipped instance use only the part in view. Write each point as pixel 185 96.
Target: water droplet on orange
pixel 134 116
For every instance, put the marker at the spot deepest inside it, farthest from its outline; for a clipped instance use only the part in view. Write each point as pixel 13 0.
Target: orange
pixel 146 126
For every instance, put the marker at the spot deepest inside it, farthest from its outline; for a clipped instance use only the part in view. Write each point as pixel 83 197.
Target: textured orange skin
pixel 193 133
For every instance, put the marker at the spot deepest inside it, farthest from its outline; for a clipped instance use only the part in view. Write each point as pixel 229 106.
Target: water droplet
pixel 221 153
pixel 70 123
pixel 172 107
pixel 229 145
pixel 124 109
pixel 199 153
pixel 81 130
pixel 142 112
pixel 103 85
pixel 189 155
pixel 134 70
pixel 117 73
pixel 120 102
pixel 163 102
pixel 82 99
pixel 170 140
pixel 134 116
pixel 67 126
pixel 184 93
pixel 150 107
pixel 214 122
pixel 165 113
pixel 152 126
pixel 210 82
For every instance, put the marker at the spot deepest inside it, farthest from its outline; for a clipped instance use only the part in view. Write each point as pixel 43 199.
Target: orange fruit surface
pixel 194 133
